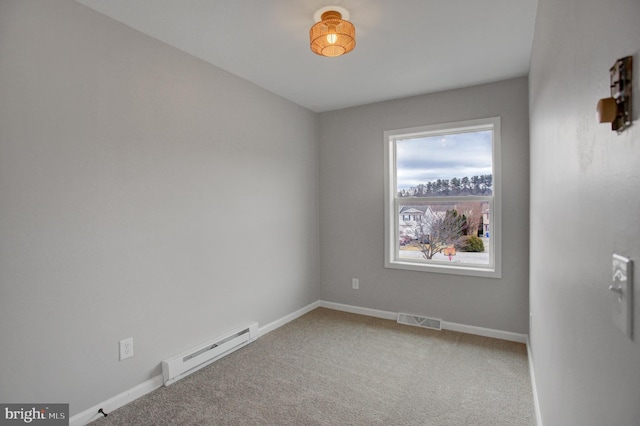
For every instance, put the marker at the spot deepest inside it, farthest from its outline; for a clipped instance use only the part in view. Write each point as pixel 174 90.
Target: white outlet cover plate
pixel 126 348
pixel 622 300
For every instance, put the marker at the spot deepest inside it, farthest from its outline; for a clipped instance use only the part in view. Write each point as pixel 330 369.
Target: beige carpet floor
pixel 334 368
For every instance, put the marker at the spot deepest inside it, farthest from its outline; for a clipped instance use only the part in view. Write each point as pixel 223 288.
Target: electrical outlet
pixel 126 348
pixel 355 283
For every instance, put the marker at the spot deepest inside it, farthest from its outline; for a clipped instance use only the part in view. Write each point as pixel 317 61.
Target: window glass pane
pixel 442 198
pixel 455 164
pixel 451 232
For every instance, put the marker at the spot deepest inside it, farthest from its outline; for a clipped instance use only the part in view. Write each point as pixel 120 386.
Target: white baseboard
pixel 116 402
pixel 486 332
pixel 469 329
pixel 358 310
pixel 287 318
pixel 536 402
pixel 150 385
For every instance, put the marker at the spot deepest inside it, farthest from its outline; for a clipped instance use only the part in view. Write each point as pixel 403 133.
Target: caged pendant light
pixel 332 35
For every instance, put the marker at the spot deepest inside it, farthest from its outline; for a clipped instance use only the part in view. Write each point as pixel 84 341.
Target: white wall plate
pixel 622 294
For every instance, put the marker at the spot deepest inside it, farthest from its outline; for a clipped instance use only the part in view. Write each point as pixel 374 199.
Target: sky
pixel 425 159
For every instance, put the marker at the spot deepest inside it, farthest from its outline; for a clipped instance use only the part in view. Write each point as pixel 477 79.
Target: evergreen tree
pixel 475 185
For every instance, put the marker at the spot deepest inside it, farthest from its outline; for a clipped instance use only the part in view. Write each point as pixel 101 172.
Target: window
pixel 442 198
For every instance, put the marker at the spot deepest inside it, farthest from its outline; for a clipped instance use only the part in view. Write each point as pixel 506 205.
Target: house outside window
pixel 442 198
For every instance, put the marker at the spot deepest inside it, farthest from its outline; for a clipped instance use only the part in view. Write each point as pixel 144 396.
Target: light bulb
pixel 331 36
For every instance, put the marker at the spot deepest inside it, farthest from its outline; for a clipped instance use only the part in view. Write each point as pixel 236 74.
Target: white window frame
pixel 392 259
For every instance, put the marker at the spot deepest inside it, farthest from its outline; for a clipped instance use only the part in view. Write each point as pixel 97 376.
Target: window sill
pixel 458 269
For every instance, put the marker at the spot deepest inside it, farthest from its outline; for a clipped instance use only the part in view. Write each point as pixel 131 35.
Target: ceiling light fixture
pixel 332 35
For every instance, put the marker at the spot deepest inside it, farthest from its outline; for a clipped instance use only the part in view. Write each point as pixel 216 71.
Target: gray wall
pixel 143 194
pixel 352 210
pixel 585 182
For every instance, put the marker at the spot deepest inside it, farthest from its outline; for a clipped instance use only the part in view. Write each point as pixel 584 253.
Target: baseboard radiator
pixel 185 363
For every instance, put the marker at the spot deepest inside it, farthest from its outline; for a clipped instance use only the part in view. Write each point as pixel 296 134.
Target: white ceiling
pixel 403 47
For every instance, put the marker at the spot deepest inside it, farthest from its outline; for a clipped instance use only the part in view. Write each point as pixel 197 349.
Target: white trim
pixel 156 382
pixel 150 385
pixel 113 403
pixel 536 401
pixel 287 318
pixel 452 326
pixel 391 259
pixel 358 310
pixel 486 332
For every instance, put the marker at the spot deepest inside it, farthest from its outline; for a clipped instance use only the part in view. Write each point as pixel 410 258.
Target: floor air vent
pixel 418 321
